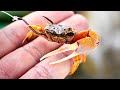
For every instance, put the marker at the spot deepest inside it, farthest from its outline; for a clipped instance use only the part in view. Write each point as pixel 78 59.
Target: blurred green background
pixel 103 62
pixel 5 19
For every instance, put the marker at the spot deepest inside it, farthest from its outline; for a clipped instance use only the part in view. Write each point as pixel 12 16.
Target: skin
pixel 23 62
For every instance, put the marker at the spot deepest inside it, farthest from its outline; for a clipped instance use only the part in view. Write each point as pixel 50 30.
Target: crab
pixel 79 43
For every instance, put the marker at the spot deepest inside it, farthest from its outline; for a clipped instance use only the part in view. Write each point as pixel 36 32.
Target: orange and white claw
pixel 83 46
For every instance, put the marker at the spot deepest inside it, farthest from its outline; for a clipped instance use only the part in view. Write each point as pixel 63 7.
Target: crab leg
pixel 84 58
pixel 36 30
pixel 32 35
pixel 76 62
pixel 71 47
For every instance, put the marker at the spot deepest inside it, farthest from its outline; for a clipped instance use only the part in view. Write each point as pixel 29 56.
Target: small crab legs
pixel 79 43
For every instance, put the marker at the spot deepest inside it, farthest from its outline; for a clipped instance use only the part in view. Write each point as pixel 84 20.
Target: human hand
pixel 23 62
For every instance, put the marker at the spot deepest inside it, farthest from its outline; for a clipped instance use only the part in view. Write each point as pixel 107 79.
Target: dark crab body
pixel 60 33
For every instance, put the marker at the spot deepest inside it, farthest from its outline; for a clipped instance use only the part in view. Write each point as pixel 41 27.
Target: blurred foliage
pixel 5 19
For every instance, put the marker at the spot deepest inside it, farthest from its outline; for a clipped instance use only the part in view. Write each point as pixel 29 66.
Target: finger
pixel 44 70
pixel 21 60
pixel 13 34
pixel 79 25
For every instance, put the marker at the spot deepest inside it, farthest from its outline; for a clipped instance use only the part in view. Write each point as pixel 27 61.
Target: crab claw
pixel 71 47
pixel 80 47
pixel 84 46
pixel 79 50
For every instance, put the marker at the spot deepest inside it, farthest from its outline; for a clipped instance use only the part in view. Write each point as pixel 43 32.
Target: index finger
pixel 13 34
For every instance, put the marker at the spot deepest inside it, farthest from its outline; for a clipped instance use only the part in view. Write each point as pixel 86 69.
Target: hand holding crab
pixel 23 62
pixel 80 42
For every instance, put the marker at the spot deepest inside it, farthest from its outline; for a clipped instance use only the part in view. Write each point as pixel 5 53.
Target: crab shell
pixel 60 33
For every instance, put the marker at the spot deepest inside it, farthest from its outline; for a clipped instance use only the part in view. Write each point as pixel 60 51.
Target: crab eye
pixel 70 34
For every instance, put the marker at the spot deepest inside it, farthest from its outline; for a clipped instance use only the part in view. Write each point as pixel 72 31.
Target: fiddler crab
pixel 79 43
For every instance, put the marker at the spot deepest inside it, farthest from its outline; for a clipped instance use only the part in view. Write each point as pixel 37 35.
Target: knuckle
pixel 33 51
pixel 3 74
pixel 42 72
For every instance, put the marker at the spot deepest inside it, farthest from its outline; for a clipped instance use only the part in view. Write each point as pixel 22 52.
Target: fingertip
pixel 84 22
pixel 76 21
pixel 52 15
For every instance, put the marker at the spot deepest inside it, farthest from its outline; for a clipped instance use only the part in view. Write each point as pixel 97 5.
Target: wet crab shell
pixel 60 33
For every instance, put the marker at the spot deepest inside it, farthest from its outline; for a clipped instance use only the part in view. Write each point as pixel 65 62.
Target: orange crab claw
pixel 84 45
